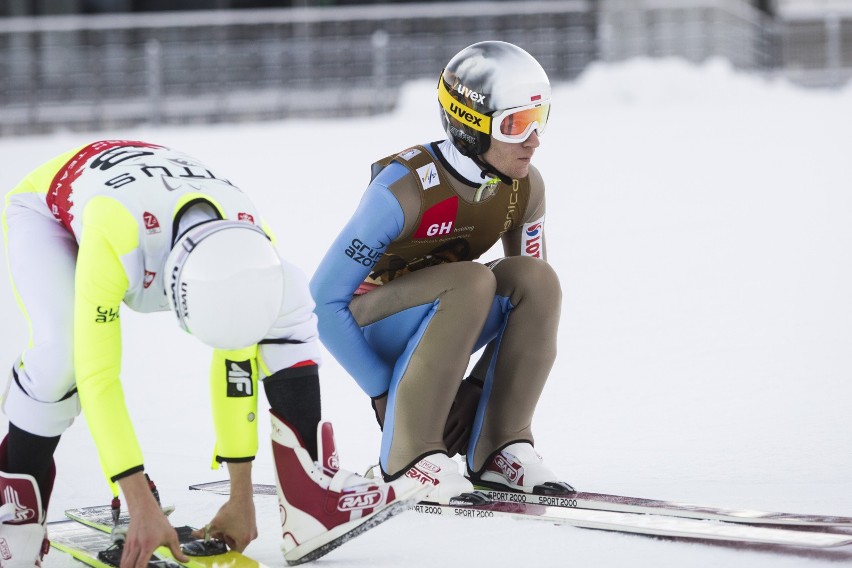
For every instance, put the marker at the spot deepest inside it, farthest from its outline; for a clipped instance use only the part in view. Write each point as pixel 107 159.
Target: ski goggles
pixel 515 125
pixel 512 125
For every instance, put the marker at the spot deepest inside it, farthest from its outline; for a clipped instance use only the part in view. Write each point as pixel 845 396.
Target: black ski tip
pixel 554 488
pixel 470 499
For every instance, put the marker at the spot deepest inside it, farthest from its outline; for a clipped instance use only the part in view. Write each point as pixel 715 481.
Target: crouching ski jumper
pixel 131 222
pixel 402 305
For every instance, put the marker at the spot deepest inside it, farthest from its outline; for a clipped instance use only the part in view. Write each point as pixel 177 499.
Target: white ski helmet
pixel 225 283
pixel 492 88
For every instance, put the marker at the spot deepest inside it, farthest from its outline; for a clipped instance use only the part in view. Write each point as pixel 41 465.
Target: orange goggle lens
pixel 517 124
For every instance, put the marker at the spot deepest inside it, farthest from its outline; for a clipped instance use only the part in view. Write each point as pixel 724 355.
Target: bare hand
pixel 235 524
pixel 149 529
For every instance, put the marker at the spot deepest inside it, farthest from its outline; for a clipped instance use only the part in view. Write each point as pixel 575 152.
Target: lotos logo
pixel 469 93
pixel 533 233
pixel 533 230
pixel 508 469
pixel 152 225
pixel 148 279
pixel 354 502
pixel 439 219
pixel 242 216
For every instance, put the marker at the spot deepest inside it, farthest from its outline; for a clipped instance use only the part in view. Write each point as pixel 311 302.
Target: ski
pixel 623 504
pixel 101 516
pixel 224 488
pixel 644 524
pixel 85 544
pixel 201 553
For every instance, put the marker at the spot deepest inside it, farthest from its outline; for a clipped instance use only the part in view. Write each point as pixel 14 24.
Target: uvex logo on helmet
pixel 366 500
pixel 470 93
pixel 467 116
pixel 178 297
pixel 183 305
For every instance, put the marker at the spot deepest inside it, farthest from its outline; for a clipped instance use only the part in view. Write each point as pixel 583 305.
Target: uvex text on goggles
pixel 513 125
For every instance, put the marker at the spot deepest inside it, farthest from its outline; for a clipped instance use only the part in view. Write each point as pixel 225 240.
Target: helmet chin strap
pixel 488 169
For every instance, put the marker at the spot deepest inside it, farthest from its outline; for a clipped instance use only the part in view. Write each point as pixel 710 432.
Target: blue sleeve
pixel 376 223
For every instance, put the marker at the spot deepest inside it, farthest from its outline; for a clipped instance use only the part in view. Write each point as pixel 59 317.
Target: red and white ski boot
pixel 449 486
pixel 23 539
pixel 323 506
pixel 518 467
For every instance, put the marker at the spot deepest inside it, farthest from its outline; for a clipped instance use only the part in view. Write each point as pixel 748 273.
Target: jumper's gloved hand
pixel 460 420
pixel 380 404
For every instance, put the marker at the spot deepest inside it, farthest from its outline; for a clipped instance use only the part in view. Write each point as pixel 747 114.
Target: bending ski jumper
pixel 131 222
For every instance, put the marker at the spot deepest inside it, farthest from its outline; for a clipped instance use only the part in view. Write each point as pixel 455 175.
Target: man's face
pixel 512 160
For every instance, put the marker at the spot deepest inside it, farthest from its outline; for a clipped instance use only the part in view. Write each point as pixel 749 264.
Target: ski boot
pixel 23 537
pixel 518 467
pixel 323 506
pixel 449 487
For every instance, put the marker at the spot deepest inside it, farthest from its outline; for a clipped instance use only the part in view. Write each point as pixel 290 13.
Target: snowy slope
pixel 700 223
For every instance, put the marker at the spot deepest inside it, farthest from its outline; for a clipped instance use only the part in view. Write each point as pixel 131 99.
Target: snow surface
pixel 699 220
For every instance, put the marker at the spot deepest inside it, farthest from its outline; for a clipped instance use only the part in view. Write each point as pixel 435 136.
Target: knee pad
pixel 46 419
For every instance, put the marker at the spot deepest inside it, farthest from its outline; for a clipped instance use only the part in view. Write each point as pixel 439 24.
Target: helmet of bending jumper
pixel 225 283
pixel 492 89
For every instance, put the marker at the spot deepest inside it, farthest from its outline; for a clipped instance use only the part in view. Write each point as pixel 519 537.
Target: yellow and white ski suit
pixel 90 230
